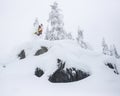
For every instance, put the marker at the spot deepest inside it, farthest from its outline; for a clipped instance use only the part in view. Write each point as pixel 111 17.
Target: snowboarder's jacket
pixel 39 32
pixel 40 29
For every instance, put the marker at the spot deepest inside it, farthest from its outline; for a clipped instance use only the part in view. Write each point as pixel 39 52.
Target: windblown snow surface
pixel 18 79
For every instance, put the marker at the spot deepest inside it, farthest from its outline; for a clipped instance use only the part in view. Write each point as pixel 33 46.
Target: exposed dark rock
pixel 38 72
pixel 4 66
pixel 41 51
pixel 112 66
pixel 62 75
pixel 21 55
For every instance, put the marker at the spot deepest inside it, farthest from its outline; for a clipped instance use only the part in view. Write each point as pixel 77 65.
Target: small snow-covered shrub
pixel 62 75
pixel 41 51
pixel 21 55
pixel 38 72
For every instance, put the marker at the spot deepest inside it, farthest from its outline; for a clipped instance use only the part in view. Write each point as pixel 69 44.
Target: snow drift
pixel 30 76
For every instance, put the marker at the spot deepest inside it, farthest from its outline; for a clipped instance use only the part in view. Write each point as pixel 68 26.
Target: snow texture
pixel 18 79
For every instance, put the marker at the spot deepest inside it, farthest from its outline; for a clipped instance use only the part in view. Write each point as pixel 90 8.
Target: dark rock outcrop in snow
pixel 4 66
pixel 62 75
pixel 38 72
pixel 21 55
pixel 41 51
pixel 112 66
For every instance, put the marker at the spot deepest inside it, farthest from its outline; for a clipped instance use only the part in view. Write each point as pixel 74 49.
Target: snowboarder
pixel 40 29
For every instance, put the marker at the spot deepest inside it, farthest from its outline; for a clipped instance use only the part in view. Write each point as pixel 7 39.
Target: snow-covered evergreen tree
pixel 80 39
pixel 105 48
pixel 55 29
pixel 36 25
pixel 115 53
pixel 69 36
pixel 80 35
pixel 111 50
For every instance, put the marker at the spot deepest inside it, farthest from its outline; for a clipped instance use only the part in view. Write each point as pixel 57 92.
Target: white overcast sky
pixel 98 18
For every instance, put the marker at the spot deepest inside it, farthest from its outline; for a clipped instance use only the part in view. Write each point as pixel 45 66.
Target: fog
pixel 98 19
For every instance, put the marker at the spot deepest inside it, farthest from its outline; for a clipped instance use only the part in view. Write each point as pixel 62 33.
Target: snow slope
pixel 18 79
